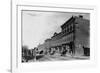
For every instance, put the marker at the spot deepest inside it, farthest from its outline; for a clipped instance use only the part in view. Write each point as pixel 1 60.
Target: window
pixel 67 30
pixel 71 28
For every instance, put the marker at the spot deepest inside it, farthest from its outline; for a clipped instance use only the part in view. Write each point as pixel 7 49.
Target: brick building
pixel 74 37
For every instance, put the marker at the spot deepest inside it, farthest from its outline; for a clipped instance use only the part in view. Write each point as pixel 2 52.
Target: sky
pixel 39 25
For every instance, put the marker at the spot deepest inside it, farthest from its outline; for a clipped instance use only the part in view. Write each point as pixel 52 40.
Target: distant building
pixel 74 34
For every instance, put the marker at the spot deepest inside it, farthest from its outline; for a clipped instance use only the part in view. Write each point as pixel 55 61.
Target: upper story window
pixel 71 27
pixel 67 29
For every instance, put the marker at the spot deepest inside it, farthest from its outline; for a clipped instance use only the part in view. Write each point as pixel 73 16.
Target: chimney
pixel 80 16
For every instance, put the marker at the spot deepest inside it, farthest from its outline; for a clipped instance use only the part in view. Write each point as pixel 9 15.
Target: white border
pixel 17 66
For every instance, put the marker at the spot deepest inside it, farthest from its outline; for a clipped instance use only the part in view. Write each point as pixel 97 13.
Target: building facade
pixel 73 38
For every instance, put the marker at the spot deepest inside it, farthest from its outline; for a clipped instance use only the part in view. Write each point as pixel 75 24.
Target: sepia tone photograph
pixel 54 36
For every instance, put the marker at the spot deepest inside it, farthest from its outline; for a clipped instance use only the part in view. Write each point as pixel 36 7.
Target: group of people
pixel 62 50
